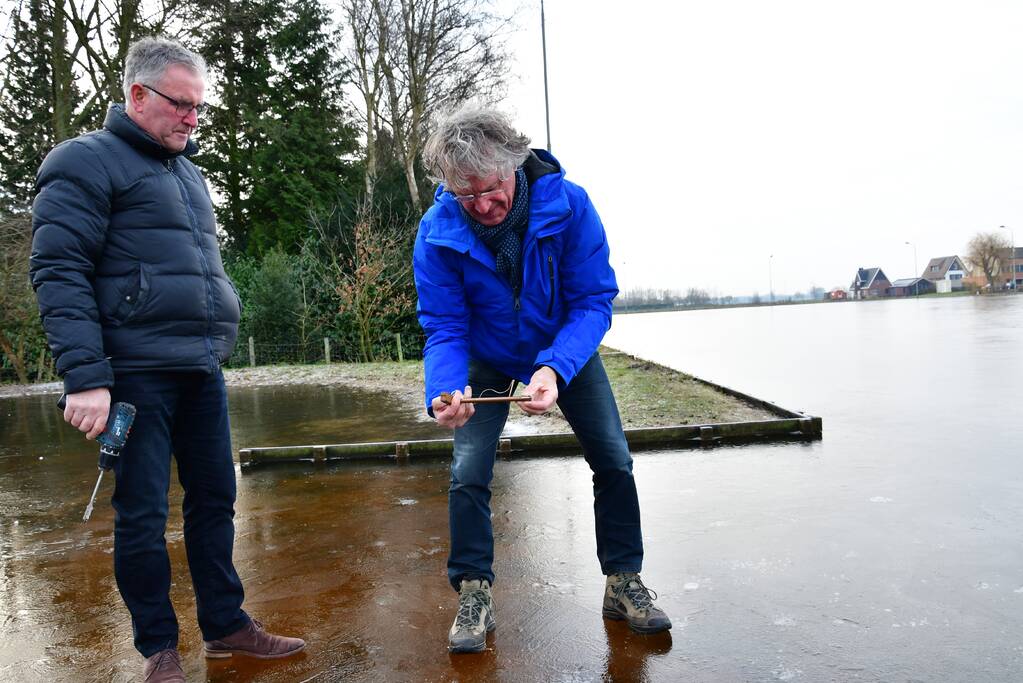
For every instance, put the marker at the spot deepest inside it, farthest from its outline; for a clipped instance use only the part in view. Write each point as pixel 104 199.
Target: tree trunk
pixel 15 357
pixel 410 178
pixel 371 149
pixel 126 30
pixel 61 77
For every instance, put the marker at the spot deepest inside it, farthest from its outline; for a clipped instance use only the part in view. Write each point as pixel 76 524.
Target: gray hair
pixel 148 59
pixel 473 142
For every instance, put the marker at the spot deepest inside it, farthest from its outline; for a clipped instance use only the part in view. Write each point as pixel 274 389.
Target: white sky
pixel 713 134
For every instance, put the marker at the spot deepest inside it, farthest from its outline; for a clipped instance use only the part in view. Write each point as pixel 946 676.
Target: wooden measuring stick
pixel 445 398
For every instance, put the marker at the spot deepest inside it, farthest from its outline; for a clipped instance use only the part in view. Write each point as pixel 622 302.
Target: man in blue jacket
pixel 514 284
pixel 137 308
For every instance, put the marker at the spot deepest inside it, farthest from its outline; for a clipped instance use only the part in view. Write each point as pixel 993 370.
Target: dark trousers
pixel 589 405
pixel 184 414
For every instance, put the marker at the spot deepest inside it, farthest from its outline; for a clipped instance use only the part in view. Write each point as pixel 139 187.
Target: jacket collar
pixel 548 205
pixel 120 124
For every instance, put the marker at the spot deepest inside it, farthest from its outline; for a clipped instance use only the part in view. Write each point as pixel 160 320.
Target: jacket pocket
pixel 133 296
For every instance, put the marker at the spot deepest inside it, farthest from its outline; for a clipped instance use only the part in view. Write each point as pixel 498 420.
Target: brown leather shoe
pixel 163 667
pixel 253 641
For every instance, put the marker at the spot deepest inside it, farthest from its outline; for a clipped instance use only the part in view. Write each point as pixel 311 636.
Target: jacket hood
pixel 120 124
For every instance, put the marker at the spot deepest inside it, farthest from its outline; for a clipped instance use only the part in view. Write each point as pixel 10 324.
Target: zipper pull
pixel 518 306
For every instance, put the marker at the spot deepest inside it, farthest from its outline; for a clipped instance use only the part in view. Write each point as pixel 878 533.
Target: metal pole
pixel 546 100
pixel 1012 257
pixel 915 271
pixel 770 275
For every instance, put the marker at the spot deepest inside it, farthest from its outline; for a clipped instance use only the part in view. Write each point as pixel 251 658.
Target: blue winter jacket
pixel 469 311
pixel 125 260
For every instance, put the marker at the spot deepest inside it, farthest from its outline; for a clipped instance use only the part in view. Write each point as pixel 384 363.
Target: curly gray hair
pixel 148 59
pixel 473 142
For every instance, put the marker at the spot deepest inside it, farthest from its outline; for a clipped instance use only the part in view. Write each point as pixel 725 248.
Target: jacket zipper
pixel 550 269
pixel 207 275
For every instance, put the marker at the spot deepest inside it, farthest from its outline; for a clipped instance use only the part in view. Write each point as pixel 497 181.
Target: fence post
pixel 397 338
pixel 252 352
pixel 326 350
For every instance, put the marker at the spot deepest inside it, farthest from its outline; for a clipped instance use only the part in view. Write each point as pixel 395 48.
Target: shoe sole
pixel 225 654
pixel 615 615
pixel 462 650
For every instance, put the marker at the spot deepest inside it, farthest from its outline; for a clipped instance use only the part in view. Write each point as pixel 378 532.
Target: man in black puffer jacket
pixel 137 308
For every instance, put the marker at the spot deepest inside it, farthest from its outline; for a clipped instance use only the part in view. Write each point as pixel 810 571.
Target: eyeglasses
pixel 183 108
pixel 464 199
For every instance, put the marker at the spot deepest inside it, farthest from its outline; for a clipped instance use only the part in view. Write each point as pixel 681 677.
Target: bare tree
pixel 365 60
pixel 986 252
pixel 104 30
pixel 412 58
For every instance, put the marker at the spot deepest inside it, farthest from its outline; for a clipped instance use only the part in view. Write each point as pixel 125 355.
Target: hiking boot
pixel 475 617
pixel 253 641
pixel 163 667
pixel 627 598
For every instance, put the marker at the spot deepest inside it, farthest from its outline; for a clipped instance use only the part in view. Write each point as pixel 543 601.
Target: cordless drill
pixel 111 441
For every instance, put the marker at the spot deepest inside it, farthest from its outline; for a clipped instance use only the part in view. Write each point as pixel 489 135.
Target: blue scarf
pixel 505 238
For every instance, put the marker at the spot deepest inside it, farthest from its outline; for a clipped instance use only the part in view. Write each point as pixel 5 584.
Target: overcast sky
pixel 712 135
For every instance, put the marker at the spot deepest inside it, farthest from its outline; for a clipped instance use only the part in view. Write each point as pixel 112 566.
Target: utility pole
pixel 770 275
pixel 1012 257
pixel 915 271
pixel 546 100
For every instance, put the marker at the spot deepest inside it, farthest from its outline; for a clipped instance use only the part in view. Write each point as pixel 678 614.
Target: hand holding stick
pixel 445 398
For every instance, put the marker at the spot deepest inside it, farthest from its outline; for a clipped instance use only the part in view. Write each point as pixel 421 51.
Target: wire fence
pixel 251 352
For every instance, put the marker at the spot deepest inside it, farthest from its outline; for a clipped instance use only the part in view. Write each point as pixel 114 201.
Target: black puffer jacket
pixel 125 260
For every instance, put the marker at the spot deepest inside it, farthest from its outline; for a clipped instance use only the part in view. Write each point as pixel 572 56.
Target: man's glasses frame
pixel 183 108
pixel 464 199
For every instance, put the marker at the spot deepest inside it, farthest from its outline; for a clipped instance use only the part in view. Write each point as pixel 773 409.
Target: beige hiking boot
pixel 625 597
pixel 475 617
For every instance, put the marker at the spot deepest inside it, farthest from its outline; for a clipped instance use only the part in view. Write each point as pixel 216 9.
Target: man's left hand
pixel 543 387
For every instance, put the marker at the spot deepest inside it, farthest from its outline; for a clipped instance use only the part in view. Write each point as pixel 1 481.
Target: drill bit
pixel 88 508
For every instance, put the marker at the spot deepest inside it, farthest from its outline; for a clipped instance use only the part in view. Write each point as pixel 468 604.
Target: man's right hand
pixel 455 414
pixel 88 411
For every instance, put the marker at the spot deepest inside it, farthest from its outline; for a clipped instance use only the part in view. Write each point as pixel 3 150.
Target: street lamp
pixel 915 271
pixel 546 100
pixel 1012 257
pixel 770 276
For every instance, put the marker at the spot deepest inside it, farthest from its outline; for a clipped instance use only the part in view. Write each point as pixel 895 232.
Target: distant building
pixel 1014 266
pixel 946 272
pixel 911 286
pixel 869 283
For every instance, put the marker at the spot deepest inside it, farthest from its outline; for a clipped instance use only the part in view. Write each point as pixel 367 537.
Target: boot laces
pixel 470 606
pixel 168 659
pixel 638 594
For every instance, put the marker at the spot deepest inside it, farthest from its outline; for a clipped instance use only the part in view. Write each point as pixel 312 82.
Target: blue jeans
pixel 184 413
pixel 589 405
